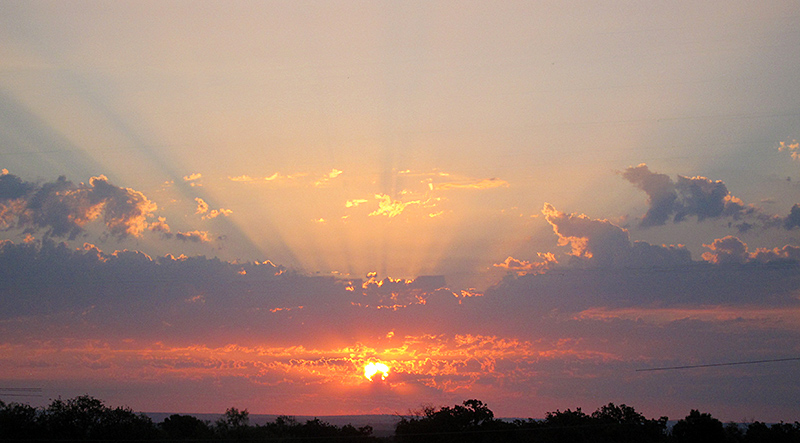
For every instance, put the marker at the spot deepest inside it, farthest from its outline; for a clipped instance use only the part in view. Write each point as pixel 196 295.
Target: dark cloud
pixel 125 211
pixel 727 250
pixel 693 284
pixel 62 208
pixel 603 244
pixel 688 196
pixel 607 269
pixel 705 198
pixel 128 292
pixel 793 219
pixel 12 187
pixel 660 190
pixel 731 249
pixel 787 252
pixel 194 236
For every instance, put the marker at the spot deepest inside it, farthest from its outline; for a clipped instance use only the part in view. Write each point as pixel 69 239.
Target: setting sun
pixel 372 368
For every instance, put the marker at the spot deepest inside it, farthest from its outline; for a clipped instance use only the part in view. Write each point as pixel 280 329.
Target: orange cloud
pixel 194 236
pixel 125 210
pixel 793 147
pixel 242 179
pixel 726 250
pixel 605 244
pixel 487 183
pixel 575 230
pixel 392 208
pixel 192 179
pixel 355 202
pixel 524 267
pixel 389 207
pixel 160 225
pixel 214 213
pixel 202 206
pixel 278 179
pixel 328 177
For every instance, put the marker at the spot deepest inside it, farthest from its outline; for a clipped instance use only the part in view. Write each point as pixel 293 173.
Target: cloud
pixel 442 181
pixel 601 243
pixel 214 213
pixel 487 183
pixel 278 178
pixel 793 219
pixel 203 208
pixel 242 178
pixel 765 255
pixel 687 196
pixel 12 198
pixel 62 208
pixel 121 288
pixel 389 207
pixel 328 177
pixel 525 267
pixel 731 249
pixel 660 190
pixel 192 179
pixel 355 202
pixel 194 236
pixel 792 147
pixel 728 249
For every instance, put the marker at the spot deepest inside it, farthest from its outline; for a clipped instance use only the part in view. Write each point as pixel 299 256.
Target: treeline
pixel 474 422
pixel 85 418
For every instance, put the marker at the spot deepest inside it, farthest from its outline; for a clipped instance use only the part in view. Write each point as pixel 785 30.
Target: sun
pixel 372 368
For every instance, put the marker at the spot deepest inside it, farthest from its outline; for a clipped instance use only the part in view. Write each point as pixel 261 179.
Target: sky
pixel 241 204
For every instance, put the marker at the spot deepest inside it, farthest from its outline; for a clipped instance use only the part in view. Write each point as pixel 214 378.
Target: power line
pixel 20 392
pixel 751 362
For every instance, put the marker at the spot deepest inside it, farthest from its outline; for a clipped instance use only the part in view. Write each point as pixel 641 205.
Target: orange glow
pixel 372 368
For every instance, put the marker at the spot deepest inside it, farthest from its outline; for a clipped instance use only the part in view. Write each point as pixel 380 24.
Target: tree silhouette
pixel 19 422
pixel 698 428
pixel 87 418
pixel 758 432
pixel 472 421
pixel 622 424
pixel 185 427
